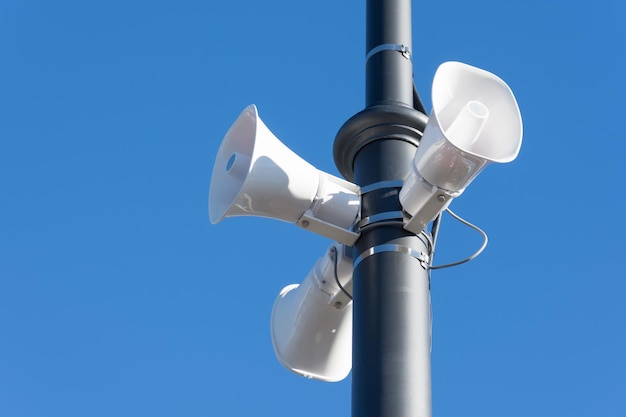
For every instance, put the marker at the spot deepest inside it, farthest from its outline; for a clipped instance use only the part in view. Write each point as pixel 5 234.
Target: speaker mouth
pixel 491 123
pixel 232 163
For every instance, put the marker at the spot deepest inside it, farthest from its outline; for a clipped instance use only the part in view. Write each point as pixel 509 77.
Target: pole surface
pixel 391 374
pixel 389 74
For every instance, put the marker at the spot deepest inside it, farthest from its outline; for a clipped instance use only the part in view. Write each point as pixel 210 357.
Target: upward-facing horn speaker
pixel 475 121
pixel 255 174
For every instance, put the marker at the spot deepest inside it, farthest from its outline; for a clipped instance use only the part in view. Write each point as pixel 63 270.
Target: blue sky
pixel 119 298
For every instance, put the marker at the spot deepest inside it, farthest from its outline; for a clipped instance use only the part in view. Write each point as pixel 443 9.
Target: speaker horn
pixel 255 174
pixel 475 121
pixel 311 323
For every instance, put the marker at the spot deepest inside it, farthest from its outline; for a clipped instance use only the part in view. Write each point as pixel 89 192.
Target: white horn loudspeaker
pixel 255 174
pixel 311 323
pixel 475 121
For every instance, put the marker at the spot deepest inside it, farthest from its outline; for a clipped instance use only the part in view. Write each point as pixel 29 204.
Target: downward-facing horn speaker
pixel 311 323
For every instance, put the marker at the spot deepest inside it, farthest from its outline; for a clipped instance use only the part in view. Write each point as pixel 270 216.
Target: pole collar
pixel 383 121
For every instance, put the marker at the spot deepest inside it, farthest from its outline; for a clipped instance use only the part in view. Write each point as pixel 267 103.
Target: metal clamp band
pixel 380 185
pixel 392 247
pixel 375 218
pixel 403 49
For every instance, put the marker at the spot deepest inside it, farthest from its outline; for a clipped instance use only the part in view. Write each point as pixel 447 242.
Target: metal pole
pixel 389 72
pixel 391 288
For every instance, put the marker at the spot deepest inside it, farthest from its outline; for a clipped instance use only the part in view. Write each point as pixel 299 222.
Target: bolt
pixel 305 223
pixel 338 305
pixel 441 198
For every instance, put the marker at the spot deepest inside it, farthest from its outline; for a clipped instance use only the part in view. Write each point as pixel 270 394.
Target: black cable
pixel 478 252
pixel 417 101
pixel 434 232
pixel 336 256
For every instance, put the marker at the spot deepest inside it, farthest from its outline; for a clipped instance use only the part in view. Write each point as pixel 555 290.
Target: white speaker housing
pixel 255 174
pixel 475 121
pixel 311 323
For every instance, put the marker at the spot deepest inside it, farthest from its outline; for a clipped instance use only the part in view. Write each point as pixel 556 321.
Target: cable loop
pixel 469 258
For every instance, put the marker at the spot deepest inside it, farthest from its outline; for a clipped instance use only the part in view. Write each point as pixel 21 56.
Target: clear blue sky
pixel 119 298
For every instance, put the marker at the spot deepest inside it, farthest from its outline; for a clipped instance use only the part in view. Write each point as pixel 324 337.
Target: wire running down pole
pixel 391 374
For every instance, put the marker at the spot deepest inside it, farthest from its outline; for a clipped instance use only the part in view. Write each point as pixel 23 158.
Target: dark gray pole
pixel 391 288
